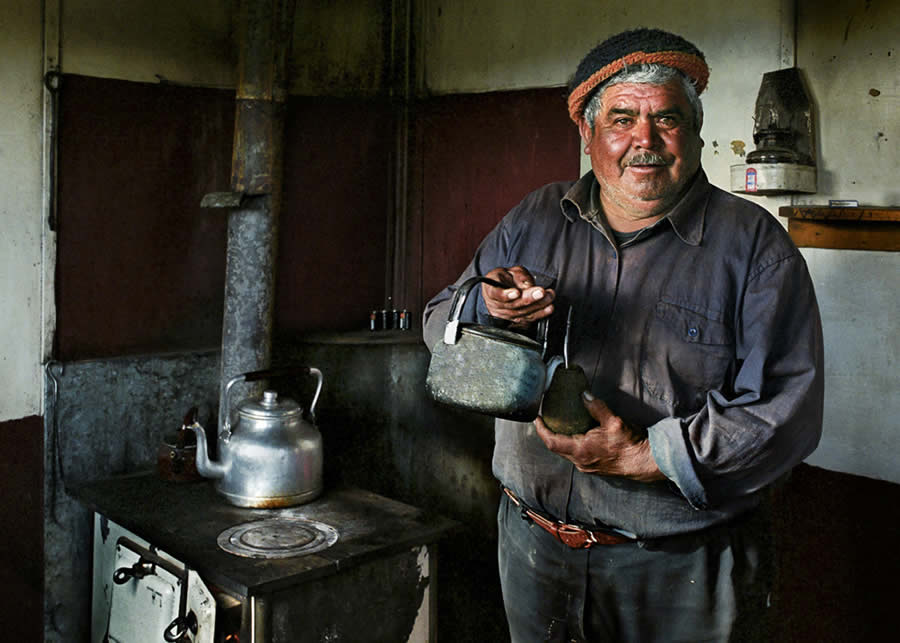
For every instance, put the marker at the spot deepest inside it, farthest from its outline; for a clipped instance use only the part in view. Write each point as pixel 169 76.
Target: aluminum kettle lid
pixel 269 407
pixel 500 334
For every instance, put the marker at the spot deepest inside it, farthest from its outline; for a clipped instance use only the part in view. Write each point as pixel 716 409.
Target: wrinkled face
pixel 644 150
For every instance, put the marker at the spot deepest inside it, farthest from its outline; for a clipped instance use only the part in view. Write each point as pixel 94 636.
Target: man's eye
pixel 622 121
pixel 667 121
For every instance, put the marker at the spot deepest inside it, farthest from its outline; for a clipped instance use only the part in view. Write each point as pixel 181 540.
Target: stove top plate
pixel 284 537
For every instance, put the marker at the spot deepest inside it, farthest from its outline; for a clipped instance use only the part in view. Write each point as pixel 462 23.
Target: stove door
pixel 143 595
pixel 145 599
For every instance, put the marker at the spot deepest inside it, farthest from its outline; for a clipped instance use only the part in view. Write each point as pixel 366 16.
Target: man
pixel 696 323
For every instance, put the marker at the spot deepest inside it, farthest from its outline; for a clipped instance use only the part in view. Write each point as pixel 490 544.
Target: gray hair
pixel 651 74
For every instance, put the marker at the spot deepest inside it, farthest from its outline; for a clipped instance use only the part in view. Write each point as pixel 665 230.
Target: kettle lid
pixel 500 334
pixel 270 407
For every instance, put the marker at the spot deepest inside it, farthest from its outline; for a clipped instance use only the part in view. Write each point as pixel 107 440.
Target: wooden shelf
pixel 860 228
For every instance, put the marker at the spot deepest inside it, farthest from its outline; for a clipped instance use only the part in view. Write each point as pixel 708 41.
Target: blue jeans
pixel 709 586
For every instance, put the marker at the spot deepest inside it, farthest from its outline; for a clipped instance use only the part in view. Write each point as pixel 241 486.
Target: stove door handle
pixel 179 628
pixel 140 569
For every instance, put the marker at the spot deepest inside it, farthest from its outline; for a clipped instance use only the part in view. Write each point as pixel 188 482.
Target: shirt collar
pixel 686 218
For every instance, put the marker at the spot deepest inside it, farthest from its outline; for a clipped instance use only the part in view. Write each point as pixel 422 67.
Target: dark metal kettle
pixel 484 369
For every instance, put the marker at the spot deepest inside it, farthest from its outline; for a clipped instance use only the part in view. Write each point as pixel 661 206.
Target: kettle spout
pixel 206 467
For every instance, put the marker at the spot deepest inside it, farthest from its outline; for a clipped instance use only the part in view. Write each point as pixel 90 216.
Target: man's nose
pixel 644 134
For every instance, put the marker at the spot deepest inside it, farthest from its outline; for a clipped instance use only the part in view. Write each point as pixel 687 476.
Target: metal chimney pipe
pixel 265 29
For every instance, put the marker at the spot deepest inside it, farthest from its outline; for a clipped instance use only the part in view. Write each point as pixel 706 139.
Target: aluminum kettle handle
pixel 254 376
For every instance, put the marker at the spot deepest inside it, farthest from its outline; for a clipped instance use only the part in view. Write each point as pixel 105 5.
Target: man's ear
pixel 587 134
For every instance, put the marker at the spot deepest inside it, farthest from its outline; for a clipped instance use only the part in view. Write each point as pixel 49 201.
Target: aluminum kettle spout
pixel 206 467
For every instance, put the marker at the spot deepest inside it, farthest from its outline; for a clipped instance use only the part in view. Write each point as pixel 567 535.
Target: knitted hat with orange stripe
pixel 633 48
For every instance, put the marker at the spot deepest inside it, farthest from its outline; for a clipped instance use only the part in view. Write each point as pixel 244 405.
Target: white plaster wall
pixel 338 46
pixel 20 208
pixel 850 56
pixel 858 301
pixel 150 40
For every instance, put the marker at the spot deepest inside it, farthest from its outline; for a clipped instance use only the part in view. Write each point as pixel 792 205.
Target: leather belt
pixel 572 535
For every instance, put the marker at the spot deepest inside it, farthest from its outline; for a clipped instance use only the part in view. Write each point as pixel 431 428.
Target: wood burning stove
pixel 370 577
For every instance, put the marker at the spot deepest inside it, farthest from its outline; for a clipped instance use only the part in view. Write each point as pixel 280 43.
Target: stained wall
pixel 479 66
pixel 848 53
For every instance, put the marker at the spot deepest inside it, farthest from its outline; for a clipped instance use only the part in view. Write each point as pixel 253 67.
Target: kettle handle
pixel 451 330
pixel 459 297
pixel 254 376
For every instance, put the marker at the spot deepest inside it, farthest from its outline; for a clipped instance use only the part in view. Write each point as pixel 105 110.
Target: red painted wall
pixel 21 514
pixel 338 183
pixel 140 264
pixel 481 154
pixel 838 565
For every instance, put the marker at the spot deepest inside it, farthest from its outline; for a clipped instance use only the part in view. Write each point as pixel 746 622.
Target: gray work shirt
pixel 703 329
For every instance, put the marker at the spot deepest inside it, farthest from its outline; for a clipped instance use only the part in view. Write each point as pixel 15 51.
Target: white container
pixel 773 178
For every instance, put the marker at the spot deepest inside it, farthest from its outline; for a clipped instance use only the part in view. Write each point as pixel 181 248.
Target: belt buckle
pixel 575 537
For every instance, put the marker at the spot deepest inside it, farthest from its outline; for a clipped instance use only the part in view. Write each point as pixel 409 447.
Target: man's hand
pixel 521 302
pixel 611 448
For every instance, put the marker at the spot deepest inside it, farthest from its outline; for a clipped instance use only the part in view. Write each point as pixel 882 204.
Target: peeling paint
pixel 738 147
pixel 422 625
pixel 422 563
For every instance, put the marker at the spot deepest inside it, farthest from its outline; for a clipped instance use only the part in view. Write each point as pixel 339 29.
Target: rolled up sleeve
pixel 769 418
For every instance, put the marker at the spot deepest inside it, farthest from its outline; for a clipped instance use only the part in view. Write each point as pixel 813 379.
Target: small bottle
pixel 404 319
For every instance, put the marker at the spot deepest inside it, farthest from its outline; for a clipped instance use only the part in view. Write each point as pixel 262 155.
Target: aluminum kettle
pixel 272 457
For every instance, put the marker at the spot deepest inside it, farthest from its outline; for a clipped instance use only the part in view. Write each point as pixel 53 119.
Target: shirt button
pixel 693 331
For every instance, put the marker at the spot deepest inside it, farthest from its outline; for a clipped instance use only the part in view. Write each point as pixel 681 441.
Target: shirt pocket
pixel 543 276
pixel 687 352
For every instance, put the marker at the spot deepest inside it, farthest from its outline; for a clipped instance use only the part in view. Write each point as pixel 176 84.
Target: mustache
pixel 647 158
